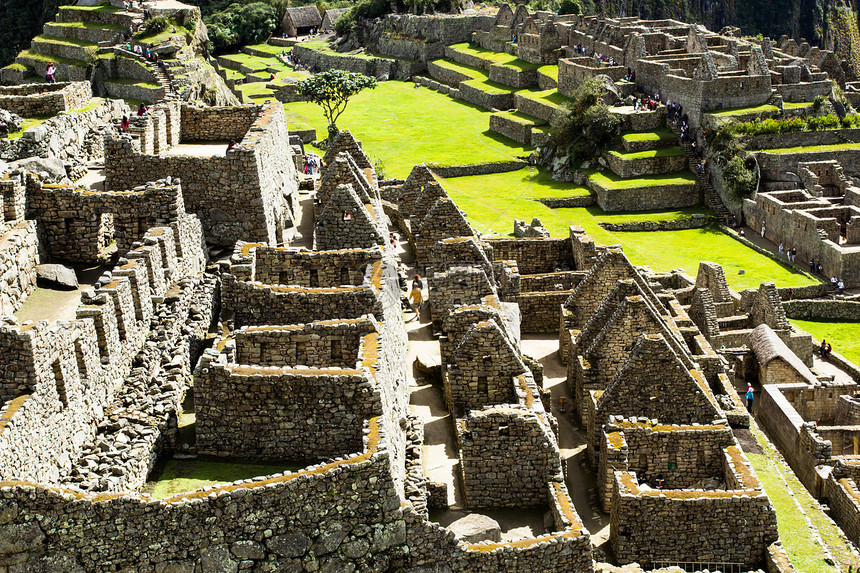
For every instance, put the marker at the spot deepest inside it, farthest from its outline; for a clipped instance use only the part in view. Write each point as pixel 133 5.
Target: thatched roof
pixel 303 16
pixel 767 346
pixel 330 17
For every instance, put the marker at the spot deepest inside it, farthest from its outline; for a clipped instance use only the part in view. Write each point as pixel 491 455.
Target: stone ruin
pixel 293 351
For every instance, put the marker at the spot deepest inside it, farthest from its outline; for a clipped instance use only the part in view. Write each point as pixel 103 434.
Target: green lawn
pixel 102 8
pixel 257 62
pixel 609 180
pixel 675 151
pixel 741 111
pixel 403 125
pixel 269 49
pixel 180 476
pixel 472 72
pixel 550 71
pixel 813 148
pixel 798 105
pixel 492 202
pixel 165 35
pixel 844 336
pixel 90 25
pixel 659 134
pixel 495 58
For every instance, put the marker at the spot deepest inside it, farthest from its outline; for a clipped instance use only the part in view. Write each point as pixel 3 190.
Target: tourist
pixel 750 397
pixel 812 266
pixel 793 254
pixel 50 72
pixel 741 232
pixel 124 125
pixel 231 146
pixel 829 350
pixel 148 54
pixel 762 230
pixel 141 110
pixel 781 250
pixel 833 282
pixel 392 240
pixel 822 348
pixel 640 477
pixel 841 286
pixel 818 268
pixel 416 296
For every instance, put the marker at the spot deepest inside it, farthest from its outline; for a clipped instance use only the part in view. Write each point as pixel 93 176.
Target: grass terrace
pixel 256 62
pixel 489 87
pixel 796 105
pixel 813 149
pixel 496 58
pixel 548 97
pixel 100 8
pixel 520 118
pixel 550 71
pixel 424 118
pixel 609 180
pixel 56 59
pixel 743 111
pixel 90 25
pixel 675 151
pixel 133 82
pixel 844 336
pixel 172 30
pixel 473 72
pixel 492 202
pixel 269 49
pixel 661 134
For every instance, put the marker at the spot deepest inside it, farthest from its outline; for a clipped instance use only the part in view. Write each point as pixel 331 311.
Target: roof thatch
pixel 767 346
pixel 303 17
pixel 330 17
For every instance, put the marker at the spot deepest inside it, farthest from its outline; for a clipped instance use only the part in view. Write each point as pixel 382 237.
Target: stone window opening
pixel 79 356
pixel 504 430
pixel 313 278
pixel 344 276
pixel 60 382
pixel 301 352
pixel 483 389
pixel 285 277
pixel 336 349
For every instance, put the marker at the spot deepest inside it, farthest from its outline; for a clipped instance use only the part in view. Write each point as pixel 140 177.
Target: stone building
pixel 256 195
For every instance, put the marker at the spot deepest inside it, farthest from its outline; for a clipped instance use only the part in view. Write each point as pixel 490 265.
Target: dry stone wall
pixel 41 100
pixel 18 260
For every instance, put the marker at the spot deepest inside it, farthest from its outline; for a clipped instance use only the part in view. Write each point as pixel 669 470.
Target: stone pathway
pixel 580 479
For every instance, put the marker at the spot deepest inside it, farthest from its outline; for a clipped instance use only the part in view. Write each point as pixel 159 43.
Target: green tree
pixel 256 22
pixel 331 90
pixel 569 7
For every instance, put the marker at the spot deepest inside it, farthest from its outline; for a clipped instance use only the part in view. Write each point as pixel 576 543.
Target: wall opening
pixel 61 382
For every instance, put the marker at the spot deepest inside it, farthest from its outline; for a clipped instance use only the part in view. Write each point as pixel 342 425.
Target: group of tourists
pixel 824 349
pixel 790 254
pixel 312 164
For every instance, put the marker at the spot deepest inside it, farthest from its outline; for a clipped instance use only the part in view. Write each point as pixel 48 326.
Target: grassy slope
pixel 787 494
pixel 493 201
pixel 814 148
pixel 403 125
pixel 844 336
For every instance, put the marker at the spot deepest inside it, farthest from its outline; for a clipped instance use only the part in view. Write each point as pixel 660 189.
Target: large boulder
pixel 58 274
pixel 475 528
pixel 9 122
pixel 50 170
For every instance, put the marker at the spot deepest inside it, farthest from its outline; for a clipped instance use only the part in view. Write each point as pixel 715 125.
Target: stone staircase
pixel 163 78
pixel 711 195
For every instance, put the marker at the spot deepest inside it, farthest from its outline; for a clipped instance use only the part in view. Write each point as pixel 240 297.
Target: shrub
pixel 569 7
pixel 588 125
pixel 739 177
pixel 156 25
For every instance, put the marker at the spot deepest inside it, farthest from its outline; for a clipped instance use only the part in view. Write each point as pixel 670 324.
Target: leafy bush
pixel 739 177
pixel 239 25
pixel 588 125
pixel 156 25
pixel 569 7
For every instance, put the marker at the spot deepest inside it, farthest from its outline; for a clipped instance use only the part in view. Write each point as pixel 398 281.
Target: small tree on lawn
pixel 331 90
